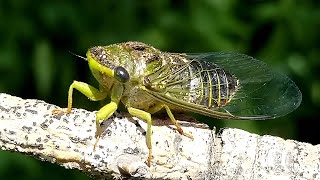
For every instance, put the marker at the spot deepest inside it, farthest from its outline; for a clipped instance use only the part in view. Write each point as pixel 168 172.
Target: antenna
pixel 78 55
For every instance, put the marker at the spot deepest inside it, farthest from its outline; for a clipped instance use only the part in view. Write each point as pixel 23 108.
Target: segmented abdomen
pixel 210 85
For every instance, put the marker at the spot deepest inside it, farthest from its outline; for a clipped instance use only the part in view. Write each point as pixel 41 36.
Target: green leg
pixel 89 91
pixel 147 117
pixel 104 113
pixel 158 107
pixel 175 122
pixel 95 95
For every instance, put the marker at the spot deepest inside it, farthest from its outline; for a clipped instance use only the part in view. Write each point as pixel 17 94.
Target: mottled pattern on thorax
pixel 172 77
pixel 141 56
pixel 135 97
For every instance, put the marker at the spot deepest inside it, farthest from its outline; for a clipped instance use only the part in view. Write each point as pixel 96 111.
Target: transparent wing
pixel 263 93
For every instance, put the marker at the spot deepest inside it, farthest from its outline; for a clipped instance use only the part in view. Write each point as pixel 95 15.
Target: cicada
pixel 220 85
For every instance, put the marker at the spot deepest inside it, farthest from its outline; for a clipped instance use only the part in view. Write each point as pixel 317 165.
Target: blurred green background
pixel 35 37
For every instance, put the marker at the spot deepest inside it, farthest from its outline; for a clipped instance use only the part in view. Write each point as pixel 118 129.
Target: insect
pixel 219 85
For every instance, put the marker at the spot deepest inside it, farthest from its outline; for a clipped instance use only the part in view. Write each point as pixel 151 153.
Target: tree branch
pixel 29 127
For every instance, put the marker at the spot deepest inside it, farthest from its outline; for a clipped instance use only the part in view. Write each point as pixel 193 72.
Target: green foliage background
pixel 35 37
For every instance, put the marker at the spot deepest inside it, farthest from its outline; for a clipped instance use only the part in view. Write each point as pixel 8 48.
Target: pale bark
pixel 29 127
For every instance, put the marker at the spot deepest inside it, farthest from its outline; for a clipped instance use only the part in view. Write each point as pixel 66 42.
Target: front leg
pixel 106 111
pixel 89 91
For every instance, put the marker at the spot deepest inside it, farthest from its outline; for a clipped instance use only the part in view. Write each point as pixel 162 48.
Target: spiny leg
pixel 147 117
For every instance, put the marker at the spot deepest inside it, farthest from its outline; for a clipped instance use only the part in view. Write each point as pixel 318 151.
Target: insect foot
pixel 185 134
pixel 59 111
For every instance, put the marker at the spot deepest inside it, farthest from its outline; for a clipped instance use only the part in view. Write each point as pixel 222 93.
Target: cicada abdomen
pixel 210 85
pixel 197 82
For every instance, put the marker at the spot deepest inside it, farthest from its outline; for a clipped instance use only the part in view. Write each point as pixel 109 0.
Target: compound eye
pixel 121 74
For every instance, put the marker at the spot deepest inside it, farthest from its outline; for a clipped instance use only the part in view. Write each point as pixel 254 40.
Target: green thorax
pixel 139 60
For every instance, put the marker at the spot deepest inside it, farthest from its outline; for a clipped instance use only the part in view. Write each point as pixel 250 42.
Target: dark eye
pixel 121 74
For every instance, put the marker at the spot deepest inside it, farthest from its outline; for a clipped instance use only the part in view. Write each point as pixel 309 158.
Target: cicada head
pixel 107 64
pixel 120 61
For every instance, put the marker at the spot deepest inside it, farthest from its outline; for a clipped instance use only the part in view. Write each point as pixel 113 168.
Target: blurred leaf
pixel 43 68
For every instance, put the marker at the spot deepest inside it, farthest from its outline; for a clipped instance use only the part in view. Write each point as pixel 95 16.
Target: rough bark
pixel 29 127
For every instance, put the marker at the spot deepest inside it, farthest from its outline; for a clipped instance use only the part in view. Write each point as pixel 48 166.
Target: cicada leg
pixel 147 117
pixel 104 113
pixel 89 91
pixel 175 122
pixel 158 107
pixel 95 94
